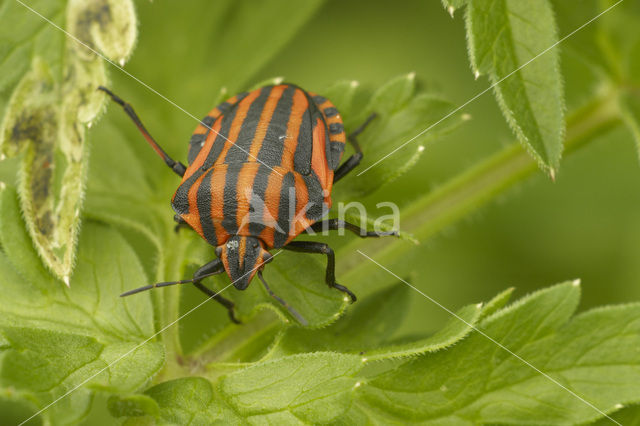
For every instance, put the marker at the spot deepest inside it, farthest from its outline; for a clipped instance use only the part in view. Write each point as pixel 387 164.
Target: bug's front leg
pixel 322 248
pixel 180 223
pixel 212 268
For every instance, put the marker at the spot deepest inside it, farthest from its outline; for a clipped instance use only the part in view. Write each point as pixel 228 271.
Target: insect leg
pixel 322 248
pixel 355 159
pixel 212 268
pixel 176 166
pixel 336 224
pixel 180 223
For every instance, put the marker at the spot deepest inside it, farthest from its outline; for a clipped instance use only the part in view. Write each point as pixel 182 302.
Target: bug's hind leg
pixel 356 158
pixel 212 268
pixel 322 248
pixel 176 166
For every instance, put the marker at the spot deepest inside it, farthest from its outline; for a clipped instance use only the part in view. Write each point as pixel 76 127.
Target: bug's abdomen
pixel 276 206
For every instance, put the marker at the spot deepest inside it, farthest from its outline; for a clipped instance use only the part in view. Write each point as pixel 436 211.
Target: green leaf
pixel 314 388
pixel 49 110
pixel 402 117
pixel 59 337
pixel 497 302
pixel 477 382
pixel 39 360
pixel 452 5
pixel 136 405
pixel 351 100
pixel 190 400
pixel 455 330
pixel 504 38
pixel 366 325
pixel 308 388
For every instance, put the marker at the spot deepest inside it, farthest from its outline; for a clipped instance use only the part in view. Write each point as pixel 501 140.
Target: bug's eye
pixel 255 244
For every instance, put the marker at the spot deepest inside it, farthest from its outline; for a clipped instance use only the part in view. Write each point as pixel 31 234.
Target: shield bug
pixel 261 169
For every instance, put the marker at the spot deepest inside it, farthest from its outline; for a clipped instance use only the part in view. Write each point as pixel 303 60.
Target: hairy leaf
pixel 512 42
pixel 453 5
pixel 49 110
pixel 365 326
pixel 59 337
pixel 314 387
pixel 393 141
pixel 476 381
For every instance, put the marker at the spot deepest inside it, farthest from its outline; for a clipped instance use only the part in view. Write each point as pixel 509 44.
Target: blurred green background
pixel 585 225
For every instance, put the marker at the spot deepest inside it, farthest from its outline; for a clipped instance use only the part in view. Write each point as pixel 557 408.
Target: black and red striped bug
pixel 261 169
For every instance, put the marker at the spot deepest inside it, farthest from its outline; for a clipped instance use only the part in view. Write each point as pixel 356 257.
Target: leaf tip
pixel 2 157
pixel 451 10
pixel 576 283
pixel 66 281
pixel 364 360
pixel 121 62
pixel 552 174
pixel 618 406
pixel 421 148
pixel 466 116
pixel 278 80
pixel 479 305
pixel 411 75
pixel 355 83
pixel 476 74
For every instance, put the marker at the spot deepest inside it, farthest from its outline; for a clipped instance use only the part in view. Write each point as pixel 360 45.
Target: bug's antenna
pixel 292 311
pixel 165 284
pixel 176 166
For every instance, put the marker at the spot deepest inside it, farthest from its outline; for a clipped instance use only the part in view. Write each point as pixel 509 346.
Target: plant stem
pixel 482 183
pixel 169 302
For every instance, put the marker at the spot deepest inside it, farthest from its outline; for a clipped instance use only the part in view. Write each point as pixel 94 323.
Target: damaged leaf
pixel 47 116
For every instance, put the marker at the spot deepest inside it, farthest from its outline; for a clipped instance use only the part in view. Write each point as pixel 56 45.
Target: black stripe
pixel 319 100
pixel 335 154
pixel 336 128
pixel 273 145
pixel 287 196
pixel 195 145
pixel 203 200
pixel 257 204
pixel 330 112
pixel 316 206
pixel 239 152
pixel 180 203
pixel 208 121
pixel 304 147
pixel 230 206
pixel 223 133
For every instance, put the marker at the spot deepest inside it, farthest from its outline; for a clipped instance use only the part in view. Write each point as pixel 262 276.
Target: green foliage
pixel 401 115
pixel 504 38
pixel 83 346
pixel 56 338
pixel 50 107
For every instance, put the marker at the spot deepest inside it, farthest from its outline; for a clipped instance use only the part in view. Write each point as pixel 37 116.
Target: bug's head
pixel 242 257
